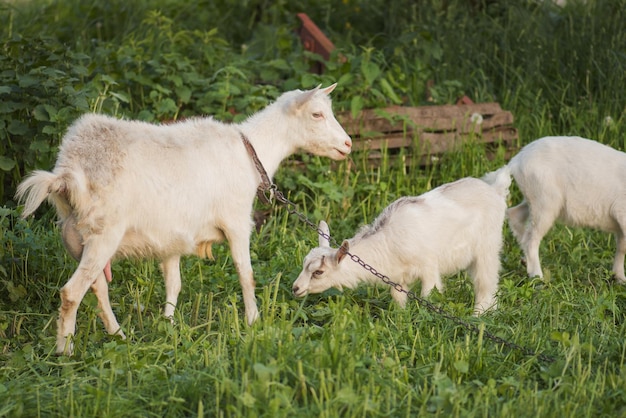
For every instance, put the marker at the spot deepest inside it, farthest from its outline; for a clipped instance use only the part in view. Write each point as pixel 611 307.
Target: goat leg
pixel 73 242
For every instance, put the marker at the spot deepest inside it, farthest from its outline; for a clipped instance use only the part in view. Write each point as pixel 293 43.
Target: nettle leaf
pixel 176 80
pixel 41 114
pixel 8 107
pixel 234 90
pixel 80 70
pixel 146 115
pixel 41 146
pixel 50 130
pixel 388 90
pixel 183 93
pixel 78 55
pixel 79 102
pixel 5 89
pixel 371 71
pixel 280 64
pixel 268 74
pixel 51 72
pixel 52 111
pixel 108 79
pixel 28 80
pixel 6 163
pixel 66 113
pixel 356 105
pixel 17 128
pixel 166 106
pixel 309 80
pixel 139 78
pixel 345 79
pixel 193 78
pixel 122 97
pixel 160 89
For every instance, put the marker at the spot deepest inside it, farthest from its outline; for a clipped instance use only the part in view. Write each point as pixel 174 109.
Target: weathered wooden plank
pixel 435 142
pixel 425 118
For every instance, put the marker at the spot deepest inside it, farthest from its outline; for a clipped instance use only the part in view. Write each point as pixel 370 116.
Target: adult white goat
pixel 574 180
pixel 133 189
pixel 452 227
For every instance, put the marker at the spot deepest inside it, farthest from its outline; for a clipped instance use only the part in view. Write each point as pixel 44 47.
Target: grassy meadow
pixel 560 71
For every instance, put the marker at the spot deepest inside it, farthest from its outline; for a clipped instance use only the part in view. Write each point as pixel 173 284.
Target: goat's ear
pixel 323 228
pixel 343 251
pixel 305 97
pixel 329 89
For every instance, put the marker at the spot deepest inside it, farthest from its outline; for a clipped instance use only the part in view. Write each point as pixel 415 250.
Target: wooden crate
pixel 426 132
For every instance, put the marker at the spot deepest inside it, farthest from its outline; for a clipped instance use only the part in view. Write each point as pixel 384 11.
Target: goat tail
pixel 40 185
pixel 499 180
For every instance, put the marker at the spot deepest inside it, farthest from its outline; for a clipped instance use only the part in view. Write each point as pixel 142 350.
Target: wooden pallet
pixel 423 132
pixel 428 131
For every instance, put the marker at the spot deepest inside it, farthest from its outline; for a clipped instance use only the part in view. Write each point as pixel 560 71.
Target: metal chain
pixel 292 209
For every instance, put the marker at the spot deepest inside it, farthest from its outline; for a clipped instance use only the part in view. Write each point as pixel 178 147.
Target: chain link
pixel 292 209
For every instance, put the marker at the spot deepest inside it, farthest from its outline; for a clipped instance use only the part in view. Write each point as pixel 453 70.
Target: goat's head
pixel 320 133
pixel 321 269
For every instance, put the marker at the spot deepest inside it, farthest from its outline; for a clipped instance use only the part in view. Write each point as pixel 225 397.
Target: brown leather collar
pixel 266 185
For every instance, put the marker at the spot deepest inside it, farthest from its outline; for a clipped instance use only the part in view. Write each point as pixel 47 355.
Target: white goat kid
pixel 453 227
pixel 133 189
pixel 576 181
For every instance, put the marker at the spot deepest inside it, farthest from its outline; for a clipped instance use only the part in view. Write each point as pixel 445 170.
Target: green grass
pixel 350 354
pixel 335 354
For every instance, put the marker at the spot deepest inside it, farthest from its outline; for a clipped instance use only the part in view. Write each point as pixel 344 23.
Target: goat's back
pixel 160 161
pixel 105 148
pixel 579 179
pixel 464 206
pixel 450 226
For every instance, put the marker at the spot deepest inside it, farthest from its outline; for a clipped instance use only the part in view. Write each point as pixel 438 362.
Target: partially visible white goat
pixel 577 181
pixel 133 189
pixel 453 227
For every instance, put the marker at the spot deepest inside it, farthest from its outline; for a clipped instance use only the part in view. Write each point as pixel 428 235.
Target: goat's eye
pixel 318 115
pixel 318 273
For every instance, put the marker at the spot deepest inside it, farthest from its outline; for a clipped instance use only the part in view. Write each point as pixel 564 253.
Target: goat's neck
pixel 271 142
pixel 370 250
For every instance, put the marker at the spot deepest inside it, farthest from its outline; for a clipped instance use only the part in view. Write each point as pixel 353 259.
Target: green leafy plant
pixel 41 89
